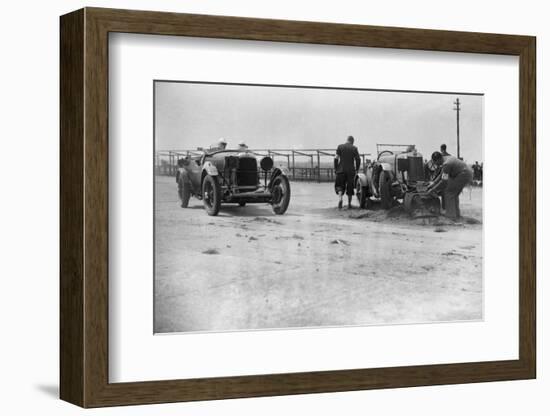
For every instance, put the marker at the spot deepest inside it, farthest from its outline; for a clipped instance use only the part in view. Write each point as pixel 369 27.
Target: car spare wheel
pixel 184 191
pixel 384 189
pixel 280 190
pixel 211 195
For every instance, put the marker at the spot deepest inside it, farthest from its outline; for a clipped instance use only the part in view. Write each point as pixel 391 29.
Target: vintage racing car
pixel 396 175
pixel 232 176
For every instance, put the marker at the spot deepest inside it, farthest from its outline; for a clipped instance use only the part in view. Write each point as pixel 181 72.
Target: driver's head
pixel 443 148
pixel 437 158
pixel 222 143
pixel 350 139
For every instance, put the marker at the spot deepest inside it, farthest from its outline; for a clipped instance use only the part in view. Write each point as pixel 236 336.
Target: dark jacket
pixel 348 158
pixel 452 167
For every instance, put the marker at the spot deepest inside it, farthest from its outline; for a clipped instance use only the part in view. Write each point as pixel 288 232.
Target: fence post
pixel 293 167
pixel 170 162
pixel 318 167
pixel 157 163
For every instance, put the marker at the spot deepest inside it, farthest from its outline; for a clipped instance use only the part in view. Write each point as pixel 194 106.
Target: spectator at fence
pixel 481 172
pixel 346 163
pixel 476 167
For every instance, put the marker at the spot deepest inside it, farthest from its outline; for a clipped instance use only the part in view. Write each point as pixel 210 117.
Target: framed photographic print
pixel 256 207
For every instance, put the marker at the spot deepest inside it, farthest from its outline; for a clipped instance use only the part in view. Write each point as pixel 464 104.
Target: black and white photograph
pixel 290 206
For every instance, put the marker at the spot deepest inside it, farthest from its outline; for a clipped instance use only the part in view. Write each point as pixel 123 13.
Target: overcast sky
pixel 191 115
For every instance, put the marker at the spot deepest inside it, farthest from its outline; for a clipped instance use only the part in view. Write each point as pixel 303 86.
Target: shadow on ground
pixel 51 390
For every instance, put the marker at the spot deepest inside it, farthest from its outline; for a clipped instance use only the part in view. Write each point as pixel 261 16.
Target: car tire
pixel 184 190
pixel 384 189
pixel 211 195
pixel 242 203
pixel 280 189
pixel 361 192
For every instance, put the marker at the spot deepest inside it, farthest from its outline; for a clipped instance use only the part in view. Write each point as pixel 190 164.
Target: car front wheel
pixel 280 190
pixel 211 195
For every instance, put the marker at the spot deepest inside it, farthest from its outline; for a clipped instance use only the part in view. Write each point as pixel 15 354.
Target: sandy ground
pixel 314 266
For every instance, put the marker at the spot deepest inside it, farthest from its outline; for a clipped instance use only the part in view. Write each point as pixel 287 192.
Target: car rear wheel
pixel 280 190
pixel 211 195
pixel 184 190
pixel 384 189
pixel 361 192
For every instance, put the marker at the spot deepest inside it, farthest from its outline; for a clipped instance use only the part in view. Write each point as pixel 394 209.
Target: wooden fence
pixel 309 165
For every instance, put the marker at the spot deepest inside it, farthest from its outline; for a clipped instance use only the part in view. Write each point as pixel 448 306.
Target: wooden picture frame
pixel 84 207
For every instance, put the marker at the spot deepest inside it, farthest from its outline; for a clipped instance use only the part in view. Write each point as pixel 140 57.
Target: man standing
pixel 346 163
pixel 476 167
pixel 455 175
pixel 444 153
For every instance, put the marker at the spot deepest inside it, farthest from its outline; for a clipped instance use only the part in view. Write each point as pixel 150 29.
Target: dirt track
pixel 313 266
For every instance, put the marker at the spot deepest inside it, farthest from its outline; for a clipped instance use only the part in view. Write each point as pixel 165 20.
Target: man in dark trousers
pixel 445 154
pixel 455 175
pixel 346 163
pixel 476 167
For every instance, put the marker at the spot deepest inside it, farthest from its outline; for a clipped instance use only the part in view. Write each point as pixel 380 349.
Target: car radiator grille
pixel 416 168
pixel 247 173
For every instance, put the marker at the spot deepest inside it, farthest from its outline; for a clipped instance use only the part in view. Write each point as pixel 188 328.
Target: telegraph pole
pixel 457 109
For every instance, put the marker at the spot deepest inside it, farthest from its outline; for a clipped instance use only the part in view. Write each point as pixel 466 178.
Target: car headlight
pixel 266 163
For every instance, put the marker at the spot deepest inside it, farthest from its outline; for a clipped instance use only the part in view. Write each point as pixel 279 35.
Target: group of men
pixel 478 172
pixel 452 175
pixel 449 175
pixel 222 145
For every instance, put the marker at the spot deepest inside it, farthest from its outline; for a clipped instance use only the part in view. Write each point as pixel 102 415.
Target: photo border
pixel 84 215
pixel 284 86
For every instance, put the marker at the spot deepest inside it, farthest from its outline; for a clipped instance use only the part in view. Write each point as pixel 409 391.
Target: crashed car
pixel 397 175
pixel 232 176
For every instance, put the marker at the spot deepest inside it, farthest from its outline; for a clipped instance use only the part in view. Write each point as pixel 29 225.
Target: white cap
pixel 222 141
pixel 242 143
